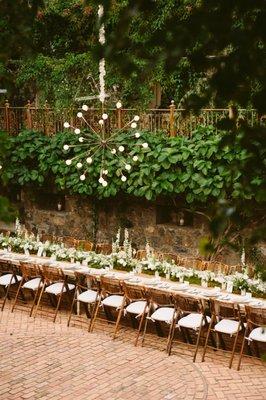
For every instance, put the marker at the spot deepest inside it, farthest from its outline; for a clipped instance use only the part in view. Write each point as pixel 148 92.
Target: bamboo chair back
pixel 187 304
pixel 134 292
pixel 86 281
pixel 256 316
pixel 111 286
pixel 29 270
pixel 222 309
pixel 51 274
pixel 159 297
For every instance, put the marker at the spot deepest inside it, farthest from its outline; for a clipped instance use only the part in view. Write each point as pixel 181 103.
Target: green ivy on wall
pixel 200 168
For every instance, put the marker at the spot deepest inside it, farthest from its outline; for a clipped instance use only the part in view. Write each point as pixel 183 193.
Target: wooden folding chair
pixel 135 304
pixel 104 248
pixel 112 296
pixel 161 309
pixel 225 319
pixel 55 284
pixel 8 277
pixel 255 330
pixel 87 292
pixel 190 315
pixel 31 280
pixel 141 255
pixel 85 245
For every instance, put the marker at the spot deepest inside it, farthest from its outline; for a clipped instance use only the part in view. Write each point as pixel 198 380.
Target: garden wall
pixel 166 227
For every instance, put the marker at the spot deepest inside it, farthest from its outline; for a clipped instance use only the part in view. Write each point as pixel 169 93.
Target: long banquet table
pixel 141 279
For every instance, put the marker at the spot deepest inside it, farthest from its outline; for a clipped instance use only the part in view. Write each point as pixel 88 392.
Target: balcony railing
pixel 170 120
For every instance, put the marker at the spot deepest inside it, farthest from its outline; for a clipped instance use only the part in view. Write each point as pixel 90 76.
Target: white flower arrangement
pixel 124 259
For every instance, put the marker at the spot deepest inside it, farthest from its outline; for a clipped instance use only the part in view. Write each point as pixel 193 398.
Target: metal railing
pixel 170 120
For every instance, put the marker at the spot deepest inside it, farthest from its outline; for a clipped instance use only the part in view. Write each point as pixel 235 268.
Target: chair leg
pixel 120 313
pixel 72 306
pixel 6 295
pixel 242 349
pixel 145 325
pixel 39 300
pixel 170 336
pixel 17 294
pixel 233 349
pixel 34 299
pixel 139 327
pixel 206 340
pixel 198 341
pixel 91 326
pixel 58 303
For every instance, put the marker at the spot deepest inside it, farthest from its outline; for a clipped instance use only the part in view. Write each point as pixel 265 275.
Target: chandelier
pixel 95 141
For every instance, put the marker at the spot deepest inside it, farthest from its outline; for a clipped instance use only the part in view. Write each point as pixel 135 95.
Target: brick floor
pixel 43 360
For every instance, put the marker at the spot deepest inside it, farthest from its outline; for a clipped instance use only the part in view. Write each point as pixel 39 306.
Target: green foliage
pixel 200 168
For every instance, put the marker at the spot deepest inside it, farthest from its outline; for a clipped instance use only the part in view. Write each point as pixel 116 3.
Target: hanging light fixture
pixel 96 142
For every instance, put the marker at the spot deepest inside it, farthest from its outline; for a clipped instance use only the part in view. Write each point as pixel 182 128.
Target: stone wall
pixel 83 218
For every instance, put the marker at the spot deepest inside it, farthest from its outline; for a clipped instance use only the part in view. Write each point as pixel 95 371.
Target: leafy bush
pixel 199 168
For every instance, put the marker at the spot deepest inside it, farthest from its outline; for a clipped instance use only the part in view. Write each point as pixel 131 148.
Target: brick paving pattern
pixel 43 360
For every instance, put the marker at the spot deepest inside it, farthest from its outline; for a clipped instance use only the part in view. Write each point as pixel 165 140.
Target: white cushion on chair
pixel 5 279
pixel 114 300
pixel 56 288
pixel 89 296
pixel 137 307
pixel 32 284
pixel 164 314
pixel 258 334
pixel 227 326
pixel 192 321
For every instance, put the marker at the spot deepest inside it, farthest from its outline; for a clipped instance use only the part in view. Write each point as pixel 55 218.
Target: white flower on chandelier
pixel 82 177
pixel 136 118
pixel 66 147
pixel 113 151
pixel 77 131
pixel 121 149
pixel 79 165
pixel 123 178
pixel 104 116
pixel 135 158
pixel 118 105
pixel 145 145
pixel 68 162
pixel 79 115
pixel 89 160
pixel 81 139
pixel 101 121
pixel 128 167
pixel 105 171
pixel 133 125
pixel 104 183
pixel 85 107
pixel 101 180
pixel 137 135
pixel 66 125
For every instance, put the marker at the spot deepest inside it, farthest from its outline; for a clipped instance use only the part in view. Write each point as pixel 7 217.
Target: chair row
pixel 178 313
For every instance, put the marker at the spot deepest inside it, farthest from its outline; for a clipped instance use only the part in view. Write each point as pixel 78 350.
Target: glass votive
pixel 167 275
pixel 181 279
pixel 229 287
pixel 186 283
pixel 243 292
pixel 217 288
pixel 204 283
pixel 248 295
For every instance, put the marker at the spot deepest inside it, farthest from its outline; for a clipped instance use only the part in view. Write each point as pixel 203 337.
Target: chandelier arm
pixel 118 156
pixel 93 130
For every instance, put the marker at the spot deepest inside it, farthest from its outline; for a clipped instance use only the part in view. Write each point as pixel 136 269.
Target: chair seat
pixel 114 300
pixel 192 321
pixel 32 284
pixel 89 296
pixel 56 288
pixel 137 307
pixel 164 314
pixel 5 279
pixel 227 326
pixel 258 334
